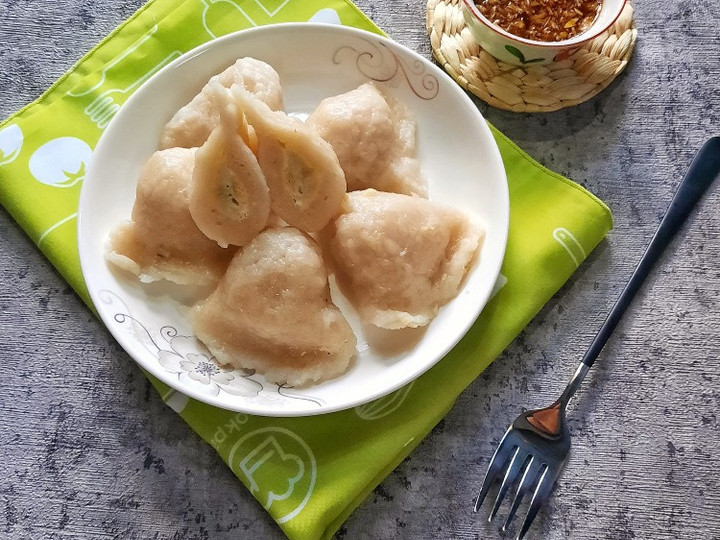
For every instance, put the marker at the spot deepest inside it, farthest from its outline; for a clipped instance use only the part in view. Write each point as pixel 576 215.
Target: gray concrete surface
pixel 88 450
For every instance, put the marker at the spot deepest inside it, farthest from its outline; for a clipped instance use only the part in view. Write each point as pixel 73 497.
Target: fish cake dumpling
pixel 272 312
pixel 306 182
pixel 399 258
pixel 192 124
pixel 374 137
pixel 162 241
pixel 228 196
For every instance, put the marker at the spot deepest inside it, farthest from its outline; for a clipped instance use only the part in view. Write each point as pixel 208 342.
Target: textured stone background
pixel 88 450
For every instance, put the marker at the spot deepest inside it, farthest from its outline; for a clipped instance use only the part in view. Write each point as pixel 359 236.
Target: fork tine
pixel 542 492
pixel 516 467
pixel 528 480
pixel 496 464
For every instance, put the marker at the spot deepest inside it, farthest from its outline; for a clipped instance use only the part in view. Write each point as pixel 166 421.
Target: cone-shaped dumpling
pixel 398 258
pixel 306 182
pixel 162 241
pixel 192 125
pixel 272 312
pixel 373 136
pixel 228 196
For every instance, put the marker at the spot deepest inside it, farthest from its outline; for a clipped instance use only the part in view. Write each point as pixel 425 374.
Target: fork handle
pixel 704 169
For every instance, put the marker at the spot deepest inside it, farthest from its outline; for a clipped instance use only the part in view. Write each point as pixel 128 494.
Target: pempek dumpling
pixel 162 241
pixel 306 182
pixel 373 136
pixel 398 258
pixel 191 125
pixel 272 312
pixel 228 196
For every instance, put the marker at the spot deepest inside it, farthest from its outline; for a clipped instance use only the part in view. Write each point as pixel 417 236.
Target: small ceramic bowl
pixel 520 51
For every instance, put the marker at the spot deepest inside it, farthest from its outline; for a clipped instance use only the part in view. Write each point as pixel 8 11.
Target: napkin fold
pixel 309 473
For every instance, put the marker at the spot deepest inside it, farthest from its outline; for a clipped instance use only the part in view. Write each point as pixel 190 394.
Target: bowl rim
pixel 576 40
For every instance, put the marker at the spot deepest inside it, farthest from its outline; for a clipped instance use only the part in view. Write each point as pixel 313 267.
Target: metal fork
pixel 535 448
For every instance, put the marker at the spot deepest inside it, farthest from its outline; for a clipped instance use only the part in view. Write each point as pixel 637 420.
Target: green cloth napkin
pixel 309 473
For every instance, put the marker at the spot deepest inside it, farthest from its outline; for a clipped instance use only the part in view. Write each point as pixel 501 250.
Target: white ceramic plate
pixel 459 157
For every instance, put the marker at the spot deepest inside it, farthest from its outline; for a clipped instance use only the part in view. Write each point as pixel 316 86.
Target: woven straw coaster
pixel 534 88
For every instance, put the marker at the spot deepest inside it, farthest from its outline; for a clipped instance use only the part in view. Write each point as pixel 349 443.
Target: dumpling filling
pixel 228 197
pixel 306 182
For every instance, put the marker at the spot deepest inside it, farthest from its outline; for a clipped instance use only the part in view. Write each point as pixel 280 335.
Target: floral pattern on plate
pixel 379 63
pixel 190 360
